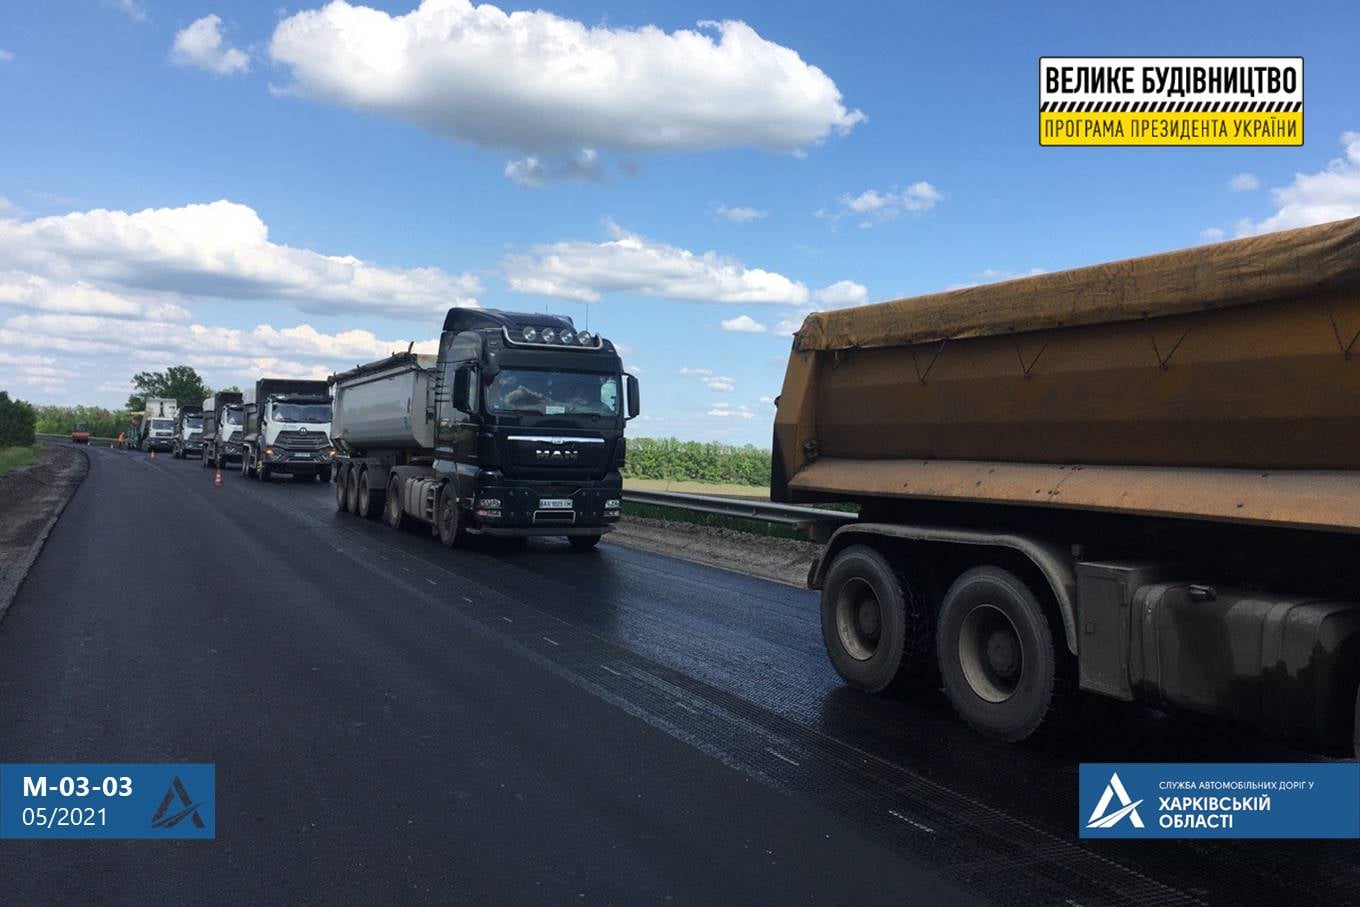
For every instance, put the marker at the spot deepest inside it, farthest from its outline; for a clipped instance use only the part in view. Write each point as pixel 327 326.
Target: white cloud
pixel 1212 234
pixel 711 379
pixel 1244 182
pixel 727 410
pixel 1332 193
pixel 628 263
pixel 219 250
pixel 740 215
pixel 6 56
pixel 744 324
pixel 533 171
pixel 842 293
pixel 767 400
pixel 27 291
pixel 200 45
pixel 130 8
pixel 873 207
pixel 9 210
pixel 537 82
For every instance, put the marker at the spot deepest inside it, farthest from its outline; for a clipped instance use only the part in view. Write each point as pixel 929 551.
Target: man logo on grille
pixel 190 810
pixel 1101 819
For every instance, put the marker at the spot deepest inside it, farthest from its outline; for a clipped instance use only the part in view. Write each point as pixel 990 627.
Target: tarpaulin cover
pixel 1274 266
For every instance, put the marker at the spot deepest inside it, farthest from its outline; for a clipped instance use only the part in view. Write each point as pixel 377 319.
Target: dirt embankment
pixel 782 560
pixel 31 499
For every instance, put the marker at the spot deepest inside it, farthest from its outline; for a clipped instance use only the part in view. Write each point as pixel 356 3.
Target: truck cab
pixel 158 425
pixel 188 433
pixel 223 424
pixel 287 430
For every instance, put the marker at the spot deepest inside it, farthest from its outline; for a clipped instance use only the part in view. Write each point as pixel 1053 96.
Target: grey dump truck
pixel 287 430
pixel 223 423
pixel 514 428
pixel 1140 480
pixel 188 433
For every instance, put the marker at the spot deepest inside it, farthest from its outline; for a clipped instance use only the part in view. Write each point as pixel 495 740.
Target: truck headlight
pixel 611 504
pixel 489 503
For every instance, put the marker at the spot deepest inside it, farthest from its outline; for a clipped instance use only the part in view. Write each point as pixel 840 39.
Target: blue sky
pixel 417 178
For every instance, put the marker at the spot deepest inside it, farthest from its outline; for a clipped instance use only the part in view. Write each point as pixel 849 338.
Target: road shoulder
pixel 32 498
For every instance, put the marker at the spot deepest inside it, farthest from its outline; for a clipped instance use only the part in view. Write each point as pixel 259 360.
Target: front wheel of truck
pixel 451 529
pixel 583 542
pixel 877 626
pixel 340 476
pixel 997 655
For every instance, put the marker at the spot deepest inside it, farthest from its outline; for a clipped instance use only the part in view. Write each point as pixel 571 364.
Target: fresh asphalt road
pixel 395 722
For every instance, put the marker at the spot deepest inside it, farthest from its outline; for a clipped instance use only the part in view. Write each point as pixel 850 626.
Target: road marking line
pixel 551 641
pixel 466 599
pixel 612 671
pixel 897 815
pixel 688 708
pixel 779 755
pixel 431 582
pixel 507 620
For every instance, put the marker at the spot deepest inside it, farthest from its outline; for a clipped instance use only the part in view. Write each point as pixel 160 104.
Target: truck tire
pixel 323 474
pixel 583 542
pixel 997 659
pixel 369 502
pixel 394 515
pixel 878 627
pixel 341 474
pixel 262 471
pixel 452 530
pixel 352 490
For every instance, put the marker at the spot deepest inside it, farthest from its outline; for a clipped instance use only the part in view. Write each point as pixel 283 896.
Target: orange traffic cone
pixel 217 479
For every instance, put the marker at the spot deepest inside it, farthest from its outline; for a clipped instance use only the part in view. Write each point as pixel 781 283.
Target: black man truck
pixel 223 422
pixel 1140 480
pixel 287 430
pixel 514 429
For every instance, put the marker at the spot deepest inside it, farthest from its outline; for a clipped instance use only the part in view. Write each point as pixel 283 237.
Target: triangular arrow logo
pixel 1128 807
pixel 190 810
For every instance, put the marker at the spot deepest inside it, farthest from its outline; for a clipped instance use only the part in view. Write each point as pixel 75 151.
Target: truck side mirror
pixel 634 402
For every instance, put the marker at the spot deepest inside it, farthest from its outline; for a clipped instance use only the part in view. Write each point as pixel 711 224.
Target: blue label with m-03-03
pixel 168 801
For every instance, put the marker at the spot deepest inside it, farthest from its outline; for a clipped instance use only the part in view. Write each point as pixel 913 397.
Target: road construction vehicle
pixel 514 428
pixel 223 423
pixel 287 430
pixel 1140 480
pixel 188 433
pixel 80 434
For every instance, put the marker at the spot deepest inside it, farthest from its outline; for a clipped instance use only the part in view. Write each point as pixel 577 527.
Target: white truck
pixel 188 433
pixel 222 426
pixel 158 425
pixel 287 430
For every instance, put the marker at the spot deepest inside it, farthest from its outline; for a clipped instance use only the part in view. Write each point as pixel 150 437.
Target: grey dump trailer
pixel 1140 480
pixel 513 429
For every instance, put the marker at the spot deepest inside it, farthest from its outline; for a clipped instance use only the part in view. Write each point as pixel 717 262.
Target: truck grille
pixel 297 440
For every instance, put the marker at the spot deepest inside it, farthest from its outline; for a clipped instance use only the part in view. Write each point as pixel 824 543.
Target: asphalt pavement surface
pixel 393 722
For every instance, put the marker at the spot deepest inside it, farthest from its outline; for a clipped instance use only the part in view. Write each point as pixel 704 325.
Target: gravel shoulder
pixel 782 560
pixel 31 499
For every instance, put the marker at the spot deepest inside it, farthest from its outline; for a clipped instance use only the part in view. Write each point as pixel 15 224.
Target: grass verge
pixel 14 457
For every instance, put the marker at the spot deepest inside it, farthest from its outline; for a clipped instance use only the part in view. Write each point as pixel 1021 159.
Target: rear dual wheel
pixel 368 501
pixel 394 515
pixel 341 487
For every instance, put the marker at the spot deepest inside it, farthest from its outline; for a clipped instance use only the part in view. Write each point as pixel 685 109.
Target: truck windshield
pixel 302 412
pixel 552 393
pixel 194 421
pixel 162 423
pixel 233 417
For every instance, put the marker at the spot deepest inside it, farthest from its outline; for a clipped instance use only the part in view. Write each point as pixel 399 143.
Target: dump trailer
pixel 287 430
pixel 223 423
pixel 1139 479
pixel 514 428
pixel 188 432
pixel 158 424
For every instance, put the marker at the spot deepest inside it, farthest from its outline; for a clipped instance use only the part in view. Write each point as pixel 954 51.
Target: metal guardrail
pixel 764 511
pixel 67 438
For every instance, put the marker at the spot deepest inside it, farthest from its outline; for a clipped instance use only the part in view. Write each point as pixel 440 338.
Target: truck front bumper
pixel 507 507
pixel 160 443
pixel 299 462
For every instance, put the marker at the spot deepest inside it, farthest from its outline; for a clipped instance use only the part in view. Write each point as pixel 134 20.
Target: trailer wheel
pixel 352 490
pixel 996 654
pixel 452 530
pixel 369 502
pixel 583 542
pixel 341 474
pixel 877 627
pixel 394 515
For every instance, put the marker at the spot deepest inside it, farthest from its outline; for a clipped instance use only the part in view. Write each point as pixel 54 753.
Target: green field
pixel 672 460
pixel 14 457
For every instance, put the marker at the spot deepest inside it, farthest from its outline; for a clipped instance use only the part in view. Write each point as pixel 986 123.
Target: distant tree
pixel 179 382
pixel 230 389
pixel 101 422
pixel 16 422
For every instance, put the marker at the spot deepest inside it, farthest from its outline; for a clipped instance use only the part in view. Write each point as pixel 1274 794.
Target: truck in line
pixel 157 429
pixel 188 433
pixel 287 430
pixel 223 423
pixel 1140 480
pixel 513 429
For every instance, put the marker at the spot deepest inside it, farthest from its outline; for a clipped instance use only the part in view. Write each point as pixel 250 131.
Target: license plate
pixel 554 503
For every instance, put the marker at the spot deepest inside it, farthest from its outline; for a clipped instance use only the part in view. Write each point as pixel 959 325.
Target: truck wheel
pixel 263 472
pixel 394 515
pixel 452 532
pixel 877 627
pixel 323 474
pixel 352 490
pixel 583 542
pixel 340 475
pixel 996 654
pixel 369 502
